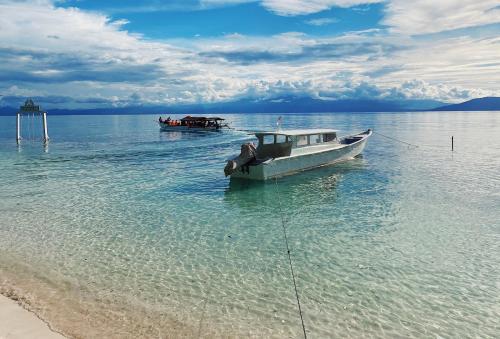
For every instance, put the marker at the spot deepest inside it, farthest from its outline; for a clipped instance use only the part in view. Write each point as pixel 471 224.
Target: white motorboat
pixel 286 152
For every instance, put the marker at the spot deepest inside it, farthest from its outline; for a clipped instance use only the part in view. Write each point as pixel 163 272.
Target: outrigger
pixel 190 123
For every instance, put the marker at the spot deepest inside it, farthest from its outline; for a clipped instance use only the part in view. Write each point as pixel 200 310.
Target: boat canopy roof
pixel 190 118
pixel 295 132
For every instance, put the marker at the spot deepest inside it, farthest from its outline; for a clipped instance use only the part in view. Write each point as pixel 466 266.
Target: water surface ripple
pixel 119 230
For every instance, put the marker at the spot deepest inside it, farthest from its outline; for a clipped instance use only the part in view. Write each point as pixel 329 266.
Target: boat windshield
pixel 312 139
pixel 267 139
pixel 329 137
pixel 280 144
pixel 273 145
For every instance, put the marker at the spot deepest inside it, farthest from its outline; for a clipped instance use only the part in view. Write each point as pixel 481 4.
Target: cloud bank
pixel 77 58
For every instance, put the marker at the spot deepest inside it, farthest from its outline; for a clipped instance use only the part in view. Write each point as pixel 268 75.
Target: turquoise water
pixel 132 231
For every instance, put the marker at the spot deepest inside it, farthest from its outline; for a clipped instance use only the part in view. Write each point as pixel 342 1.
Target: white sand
pixel 18 323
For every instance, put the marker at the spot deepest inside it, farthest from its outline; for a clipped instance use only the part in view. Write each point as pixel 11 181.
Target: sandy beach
pixel 19 323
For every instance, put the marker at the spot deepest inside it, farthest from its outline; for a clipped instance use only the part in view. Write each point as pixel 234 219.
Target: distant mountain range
pixel 289 105
pixel 480 104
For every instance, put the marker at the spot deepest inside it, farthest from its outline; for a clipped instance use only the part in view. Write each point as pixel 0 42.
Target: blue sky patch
pixel 185 20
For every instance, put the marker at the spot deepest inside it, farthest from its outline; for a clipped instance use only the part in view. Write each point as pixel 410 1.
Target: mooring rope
pixel 413 145
pixel 200 324
pixel 211 282
pixel 391 138
pixel 204 309
pixel 289 257
pixel 202 318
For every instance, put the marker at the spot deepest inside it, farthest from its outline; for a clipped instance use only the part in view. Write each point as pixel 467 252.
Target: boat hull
pixel 168 128
pixel 289 165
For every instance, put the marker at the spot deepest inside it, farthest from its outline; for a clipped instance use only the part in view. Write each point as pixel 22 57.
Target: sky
pixel 94 54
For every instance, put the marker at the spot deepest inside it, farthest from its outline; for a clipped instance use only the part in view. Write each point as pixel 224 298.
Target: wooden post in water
pixel 452 143
pixel 45 131
pixel 18 127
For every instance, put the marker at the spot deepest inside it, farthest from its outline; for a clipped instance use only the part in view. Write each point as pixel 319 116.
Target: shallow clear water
pixel 137 231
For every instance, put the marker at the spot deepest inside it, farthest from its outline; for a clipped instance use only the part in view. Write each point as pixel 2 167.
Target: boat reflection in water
pixel 321 200
pixel 192 136
pixel 294 191
pixel 170 135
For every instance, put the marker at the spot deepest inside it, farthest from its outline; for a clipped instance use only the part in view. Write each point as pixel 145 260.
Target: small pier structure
pixel 32 111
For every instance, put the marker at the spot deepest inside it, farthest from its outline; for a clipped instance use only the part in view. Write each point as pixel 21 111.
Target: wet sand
pixel 19 323
pixel 34 305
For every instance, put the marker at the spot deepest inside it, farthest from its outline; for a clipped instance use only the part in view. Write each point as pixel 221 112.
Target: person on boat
pixel 160 120
pixel 168 120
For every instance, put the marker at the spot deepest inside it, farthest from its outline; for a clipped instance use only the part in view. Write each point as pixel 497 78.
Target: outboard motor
pixel 248 153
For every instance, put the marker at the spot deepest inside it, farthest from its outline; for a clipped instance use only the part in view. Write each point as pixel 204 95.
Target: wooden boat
pixel 286 152
pixel 190 123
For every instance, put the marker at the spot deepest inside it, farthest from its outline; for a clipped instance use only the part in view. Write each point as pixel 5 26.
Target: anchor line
pixel 204 309
pixel 210 286
pixel 391 138
pixel 290 258
pixel 202 318
pixel 205 301
pixel 413 145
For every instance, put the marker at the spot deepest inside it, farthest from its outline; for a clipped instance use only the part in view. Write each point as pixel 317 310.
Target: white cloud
pixel 402 16
pixel 210 3
pixel 301 7
pixel 321 21
pixel 86 56
pixel 431 16
pixel 419 89
pixel 76 53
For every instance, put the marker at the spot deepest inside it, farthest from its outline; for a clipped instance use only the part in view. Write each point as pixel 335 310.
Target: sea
pixel 115 229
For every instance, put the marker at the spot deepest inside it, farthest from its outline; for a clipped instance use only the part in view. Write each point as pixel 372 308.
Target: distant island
pixel 287 105
pixel 480 104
